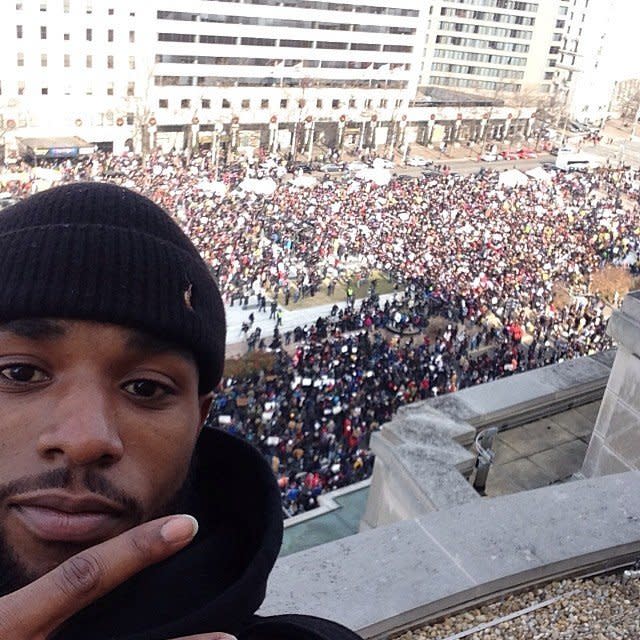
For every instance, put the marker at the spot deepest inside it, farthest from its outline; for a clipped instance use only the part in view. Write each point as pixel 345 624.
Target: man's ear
pixel 205 404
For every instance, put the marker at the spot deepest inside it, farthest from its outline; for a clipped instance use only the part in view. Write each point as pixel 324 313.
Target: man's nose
pixel 82 428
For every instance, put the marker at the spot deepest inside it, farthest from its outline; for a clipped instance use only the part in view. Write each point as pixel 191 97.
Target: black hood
pixel 219 580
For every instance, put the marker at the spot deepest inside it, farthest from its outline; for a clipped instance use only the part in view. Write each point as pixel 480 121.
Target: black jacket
pixel 218 581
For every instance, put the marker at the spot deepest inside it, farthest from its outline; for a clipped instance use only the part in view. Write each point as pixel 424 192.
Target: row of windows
pixel 88 60
pixel 284 103
pixel 484 15
pixel 278 63
pixel 67 36
pixel 473 43
pixel 329 6
pixel 88 91
pixel 281 22
pixel 486 31
pixel 477 71
pixel 272 42
pixel 219 81
pixel 511 5
pixel 491 58
pixel 67 7
pixel 469 83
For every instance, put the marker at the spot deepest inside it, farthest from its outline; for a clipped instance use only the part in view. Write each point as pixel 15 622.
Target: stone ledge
pixel 523 397
pixel 385 579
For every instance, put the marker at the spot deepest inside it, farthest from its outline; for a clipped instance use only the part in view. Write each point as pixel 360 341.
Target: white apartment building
pixel 249 73
pixel 495 47
pixel 596 50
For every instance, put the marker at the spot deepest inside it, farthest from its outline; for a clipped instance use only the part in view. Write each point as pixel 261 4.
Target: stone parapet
pixel 400 575
pixel 615 443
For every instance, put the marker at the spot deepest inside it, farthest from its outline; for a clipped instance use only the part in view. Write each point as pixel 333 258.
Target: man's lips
pixel 57 517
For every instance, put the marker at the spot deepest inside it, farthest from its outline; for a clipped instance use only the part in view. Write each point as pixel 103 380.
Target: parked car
pixel 356 165
pixel 431 173
pixel 417 161
pixel 508 155
pixel 489 157
pixel 384 163
pixel 331 167
pixel 526 153
pixel 295 167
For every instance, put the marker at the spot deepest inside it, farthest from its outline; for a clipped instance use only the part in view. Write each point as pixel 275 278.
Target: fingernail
pixel 179 529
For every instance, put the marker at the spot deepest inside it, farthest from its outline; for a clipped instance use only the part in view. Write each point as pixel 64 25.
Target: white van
pixel 568 160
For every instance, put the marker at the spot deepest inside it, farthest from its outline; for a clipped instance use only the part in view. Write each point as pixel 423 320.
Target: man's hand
pixel 37 610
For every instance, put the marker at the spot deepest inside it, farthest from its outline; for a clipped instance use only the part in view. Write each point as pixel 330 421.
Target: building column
pixel 615 443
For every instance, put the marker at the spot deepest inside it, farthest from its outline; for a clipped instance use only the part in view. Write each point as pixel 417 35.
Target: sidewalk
pixel 291 318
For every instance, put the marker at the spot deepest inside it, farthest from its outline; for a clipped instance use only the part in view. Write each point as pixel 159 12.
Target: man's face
pixel 97 428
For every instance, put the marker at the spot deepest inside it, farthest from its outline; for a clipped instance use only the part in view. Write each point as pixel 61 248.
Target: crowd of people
pixel 489 280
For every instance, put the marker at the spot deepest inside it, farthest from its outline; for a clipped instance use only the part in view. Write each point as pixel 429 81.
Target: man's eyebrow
pixel 34 328
pixel 141 341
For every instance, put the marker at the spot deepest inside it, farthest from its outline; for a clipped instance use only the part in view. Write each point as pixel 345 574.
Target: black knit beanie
pixel 93 251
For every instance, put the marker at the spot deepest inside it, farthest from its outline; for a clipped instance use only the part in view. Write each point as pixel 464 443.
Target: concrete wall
pixel 615 443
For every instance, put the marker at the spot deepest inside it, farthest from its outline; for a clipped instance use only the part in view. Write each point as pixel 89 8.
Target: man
pixel 112 336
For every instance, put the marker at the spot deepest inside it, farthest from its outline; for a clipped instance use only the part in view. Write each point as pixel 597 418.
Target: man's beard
pixel 14 573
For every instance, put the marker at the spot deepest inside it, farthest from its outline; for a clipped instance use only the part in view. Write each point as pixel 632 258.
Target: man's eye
pixel 23 373
pixel 147 389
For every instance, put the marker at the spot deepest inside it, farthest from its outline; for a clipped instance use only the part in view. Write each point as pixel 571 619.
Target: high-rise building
pixel 595 48
pixel 493 46
pixel 257 70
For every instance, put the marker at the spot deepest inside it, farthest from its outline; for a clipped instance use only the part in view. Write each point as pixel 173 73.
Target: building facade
pixel 274 74
pixel 497 47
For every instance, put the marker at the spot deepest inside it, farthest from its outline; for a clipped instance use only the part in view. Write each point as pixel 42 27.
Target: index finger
pixel 39 608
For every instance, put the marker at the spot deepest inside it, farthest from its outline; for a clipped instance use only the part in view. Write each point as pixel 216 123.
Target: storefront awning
pixel 55 147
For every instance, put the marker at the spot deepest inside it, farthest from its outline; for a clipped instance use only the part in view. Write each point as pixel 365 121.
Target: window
pixel 132 36
pixel 205 103
pixel 264 103
pixel 110 89
pixel 18 6
pixel 109 62
pixel 89 90
pixel 185 103
pixel 89 7
pixel 130 117
pixel 131 89
pixel 21 59
pixel 43 33
pixel 383 103
pixel 66 6
pixel 226 104
pixel 43 6
pixel 44 91
pixel 89 35
pixel 163 103
pixel 43 60
pixel 132 62
pixel 20 87
pixel 245 104
pixel 67 60
pixel 399 103
pixel 18 31
pixel 368 103
pixel 66 36
pixel 283 103
pixel 110 12
pixel 110 35
pixel 89 61
pixel 352 103
pixel 319 103
pixel 335 104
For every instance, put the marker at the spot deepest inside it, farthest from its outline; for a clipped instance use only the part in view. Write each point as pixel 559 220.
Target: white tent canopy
pixel 512 178
pixel 215 187
pixel 380 177
pixel 265 186
pixel 304 181
pixel 538 173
